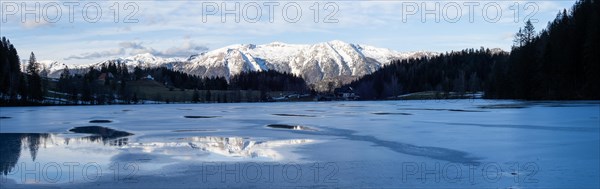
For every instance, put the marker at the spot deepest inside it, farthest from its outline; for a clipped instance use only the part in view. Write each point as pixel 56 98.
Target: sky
pixel 86 32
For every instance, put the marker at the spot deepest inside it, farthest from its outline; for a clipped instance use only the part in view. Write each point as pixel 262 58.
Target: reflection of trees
pixel 11 145
pixel 10 150
pixel 106 135
pixel 34 141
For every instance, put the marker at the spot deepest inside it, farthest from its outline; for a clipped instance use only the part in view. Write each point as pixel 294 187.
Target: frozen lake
pixel 382 144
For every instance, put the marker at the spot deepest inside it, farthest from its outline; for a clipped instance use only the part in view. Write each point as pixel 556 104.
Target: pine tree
pixel 22 87
pixel 196 96
pixel 63 84
pixel 123 92
pixel 518 41
pixel 528 32
pixel 207 97
pixel 11 81
pixel 135 99
pixel 34 80
pixel 4 68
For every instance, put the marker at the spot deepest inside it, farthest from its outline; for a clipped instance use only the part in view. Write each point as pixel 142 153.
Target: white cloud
pixel 32 23
pixel 187 48
pixel 100 54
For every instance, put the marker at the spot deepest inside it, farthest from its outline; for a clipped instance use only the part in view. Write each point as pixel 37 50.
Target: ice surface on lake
pixel 401 144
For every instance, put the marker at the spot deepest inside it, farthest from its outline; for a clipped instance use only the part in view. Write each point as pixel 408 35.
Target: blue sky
pixel 74 32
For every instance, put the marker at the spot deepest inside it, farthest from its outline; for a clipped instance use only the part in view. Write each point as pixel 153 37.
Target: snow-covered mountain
pixel 316 62
pixel 49 68
pixel 327 61
pixel 53 69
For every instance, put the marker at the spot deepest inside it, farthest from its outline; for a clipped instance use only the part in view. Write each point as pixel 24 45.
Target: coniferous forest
pixel 17 87
pixel 460 71
pixel 560 62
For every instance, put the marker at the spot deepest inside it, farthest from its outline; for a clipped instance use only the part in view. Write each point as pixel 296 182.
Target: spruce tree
pixel 63 81
pixel 34 81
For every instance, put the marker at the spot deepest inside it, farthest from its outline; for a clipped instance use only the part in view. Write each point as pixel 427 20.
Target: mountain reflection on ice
pixel 222 148
pixel 240 147
pixel 105 150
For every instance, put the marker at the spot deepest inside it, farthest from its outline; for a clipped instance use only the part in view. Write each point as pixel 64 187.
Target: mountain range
pixel 334 61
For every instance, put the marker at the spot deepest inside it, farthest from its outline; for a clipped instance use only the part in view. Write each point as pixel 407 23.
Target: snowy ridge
pixel 146 60
pixel 313 62
pixel 50 68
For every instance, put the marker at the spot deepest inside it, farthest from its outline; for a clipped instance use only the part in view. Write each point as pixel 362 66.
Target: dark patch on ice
pixel 200 117
pixel 291 127
pixel 504 106
pixel 100 121
pixel 426 109
pixel 103 132
pixel 351 106
pixel 184 108
pixel 462 110
pixel 438 153
pixel 425 151
pixel 294 115
pixel 378 119
pixel 391 113
pixel 126 110
pixel 535 127
pixel 565 103
pixel 554 105
pixel 193 130
pixel 134 157
pixel 256 122
pixel 442 109
pixel 5 117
